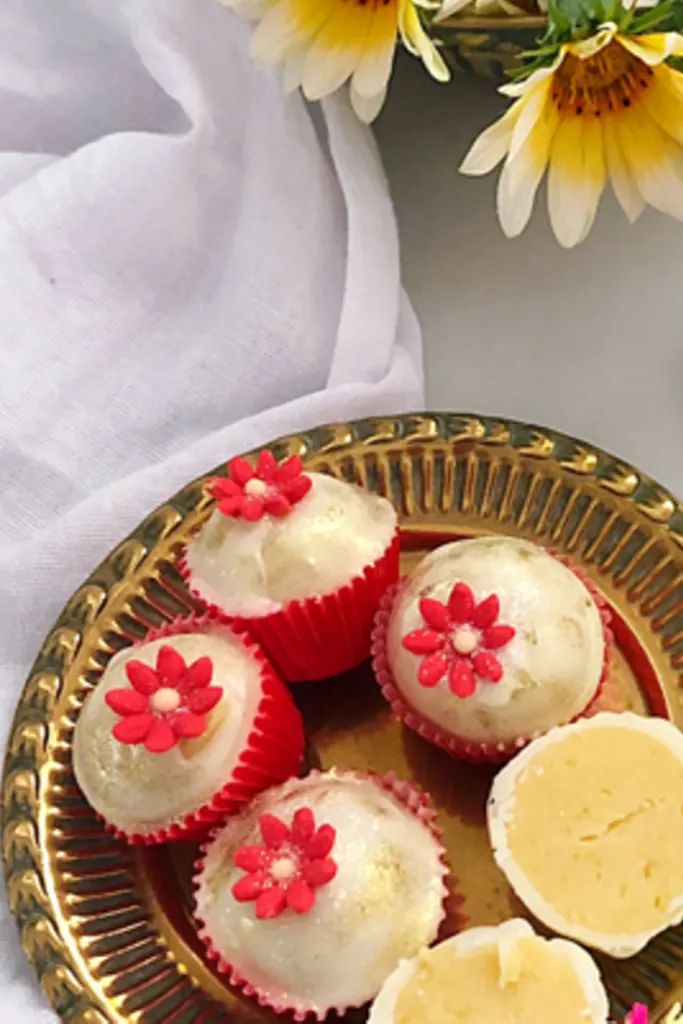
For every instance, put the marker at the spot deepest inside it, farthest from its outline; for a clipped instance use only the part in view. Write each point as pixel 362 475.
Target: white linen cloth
pixel 191 265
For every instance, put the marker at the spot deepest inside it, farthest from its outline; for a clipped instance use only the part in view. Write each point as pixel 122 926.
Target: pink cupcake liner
pixel 273 749
pixel 418 803
pixel 467 750
pixel 321 636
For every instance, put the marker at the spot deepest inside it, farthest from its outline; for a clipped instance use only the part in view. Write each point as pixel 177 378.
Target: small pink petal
pixel 300 896
pixel 496 637
pixel 271 903
pixel 639 1014
pixel 199 673
pixel 432 670
pixel 204 700
pixel 319 872
pixel 133 729
pixel 142 678
pixel 486 613
pixel 321 843
pixel 461 603
pixel 266 466
pixel 126 702
pixel 289 470
pixel 277 505
pixel 249 887
pixel 435 614
pixel 273 830
pixel 240 470
pixel 251 858
pixel 253 509
pixel 461 678
pixel 187 726
pixel 160 737
pixel 423 641
pixel 170 666
pixel 487 666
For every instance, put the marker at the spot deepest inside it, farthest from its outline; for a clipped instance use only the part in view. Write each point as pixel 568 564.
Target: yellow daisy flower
pixel 608 108
pixel 323 43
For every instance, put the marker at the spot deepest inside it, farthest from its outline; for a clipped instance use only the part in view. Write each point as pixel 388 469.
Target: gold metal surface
pixel 107 927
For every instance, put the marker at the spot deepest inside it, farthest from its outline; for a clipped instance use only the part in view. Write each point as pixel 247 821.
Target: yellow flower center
pixel 165 700
pixel 609 81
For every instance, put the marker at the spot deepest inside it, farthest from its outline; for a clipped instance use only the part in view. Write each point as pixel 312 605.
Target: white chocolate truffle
pixel 506 975
pixel 329 537
pixel 384 902
pixel 587 825
pixel 551 658
pixel 139 792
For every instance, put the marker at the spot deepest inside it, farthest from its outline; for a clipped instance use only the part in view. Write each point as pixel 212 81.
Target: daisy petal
pixel 240 470
pixel 253 509
pixel 423 641
pixel 273 830
pixel 435 614
pixel 133 729
pixel 487 666
pixel 160 737
pixel 231 506
pixel 654 48
pixel 249 887
pixel 486 613
pixel 276 505
pixel 170 665
pixel 495 637
pixel 289 470
pixel 461 678
pixel 303 825
pixel 432 670
pixel 187 726
pixel 300 896
pixel 222 487
pixel 319 872
pixel 367 107
pixel 266 466
pixel 321 843
pixel 199 673
pixel 623 182
pixel 126 702
pixel 492 145
pixel 203 700
pixel 295 490
pixel 142 677
pixel 271 903
pixel 461 604
pixel 251 858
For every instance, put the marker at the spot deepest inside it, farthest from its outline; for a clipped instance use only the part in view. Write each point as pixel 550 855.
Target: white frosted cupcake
pixel 310 897
pixel 586 823
pixel 301 558
pixel 488 643
pixel 181 730
pixel 503 975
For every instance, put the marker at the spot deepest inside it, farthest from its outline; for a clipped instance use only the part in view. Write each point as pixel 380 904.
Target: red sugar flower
pixel 286 869
pixel 166 704
pixel 250 493
pixel 458 641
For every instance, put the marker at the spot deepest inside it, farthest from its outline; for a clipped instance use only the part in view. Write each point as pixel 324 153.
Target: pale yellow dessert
pixel 587 824
pixel 329 536
pixel 503 975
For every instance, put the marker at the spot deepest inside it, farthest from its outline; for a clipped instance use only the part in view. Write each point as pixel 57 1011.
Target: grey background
pixel 588 341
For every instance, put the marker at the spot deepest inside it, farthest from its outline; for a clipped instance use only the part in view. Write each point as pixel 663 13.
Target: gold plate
pixel 107 927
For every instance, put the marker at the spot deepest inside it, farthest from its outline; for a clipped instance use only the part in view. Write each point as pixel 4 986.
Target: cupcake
pixel 488 643
pixel 310 897
pixel 503 975
pixel 301 558
pixel 586 824
pixel 183 729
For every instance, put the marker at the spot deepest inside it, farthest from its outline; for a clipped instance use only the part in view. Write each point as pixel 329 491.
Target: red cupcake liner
pixel 321 636
pixel 604 698
pixel 273 749
pixel 418 803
